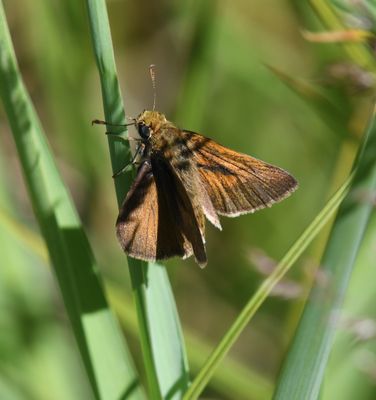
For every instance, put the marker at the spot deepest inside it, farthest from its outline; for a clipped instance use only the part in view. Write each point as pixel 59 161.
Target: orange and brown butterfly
pixel 182 178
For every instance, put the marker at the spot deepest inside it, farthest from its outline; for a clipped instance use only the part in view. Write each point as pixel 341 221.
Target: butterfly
pixel 184 178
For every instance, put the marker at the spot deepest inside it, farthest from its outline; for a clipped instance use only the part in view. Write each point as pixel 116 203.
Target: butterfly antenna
pixel 152 76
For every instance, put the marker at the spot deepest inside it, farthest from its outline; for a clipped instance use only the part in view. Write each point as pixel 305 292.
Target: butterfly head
pixel 149 122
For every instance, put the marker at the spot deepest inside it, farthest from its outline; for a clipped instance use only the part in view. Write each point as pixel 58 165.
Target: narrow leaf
pixel 104 354
pixel 264 291
pixel 162 343
pixel 304 367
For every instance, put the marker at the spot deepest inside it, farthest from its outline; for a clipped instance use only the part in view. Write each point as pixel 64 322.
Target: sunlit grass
pixel 225 90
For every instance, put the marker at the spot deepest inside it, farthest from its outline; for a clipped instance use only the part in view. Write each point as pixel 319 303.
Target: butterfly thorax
pixel 160 135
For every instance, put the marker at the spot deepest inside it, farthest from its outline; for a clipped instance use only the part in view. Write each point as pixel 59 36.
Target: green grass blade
pixel 161 339
pixel 232 380
pixel 161 336
pixel 262 293
pixel 349 372
pixel 304 367
pixel 104 354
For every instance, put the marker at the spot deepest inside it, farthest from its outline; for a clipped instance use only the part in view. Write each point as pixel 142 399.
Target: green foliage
pixel 306 112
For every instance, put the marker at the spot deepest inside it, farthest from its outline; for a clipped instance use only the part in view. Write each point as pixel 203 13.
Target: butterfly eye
pixel 144 131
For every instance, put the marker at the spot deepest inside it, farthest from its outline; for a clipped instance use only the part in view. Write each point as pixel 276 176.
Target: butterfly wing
pixel 156 220
pixel 237 183
pixel 173 194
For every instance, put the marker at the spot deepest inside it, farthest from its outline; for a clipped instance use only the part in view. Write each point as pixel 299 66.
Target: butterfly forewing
pixel 237 183
pixel 156 220
pixel 173 194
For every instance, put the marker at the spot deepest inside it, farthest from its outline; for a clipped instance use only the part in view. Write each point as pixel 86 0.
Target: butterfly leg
pixel 101 122
pixel 139 150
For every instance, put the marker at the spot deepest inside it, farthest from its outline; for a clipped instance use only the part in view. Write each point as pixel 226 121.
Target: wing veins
pixel 238 165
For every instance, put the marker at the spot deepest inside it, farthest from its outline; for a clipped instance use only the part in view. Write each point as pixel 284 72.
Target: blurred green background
pixel 239 72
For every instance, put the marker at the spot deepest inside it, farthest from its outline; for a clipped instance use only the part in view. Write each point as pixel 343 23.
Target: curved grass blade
pixel 161 339
pixel 104 354
pixel 352 362
pixel 303 370
pixel 263 292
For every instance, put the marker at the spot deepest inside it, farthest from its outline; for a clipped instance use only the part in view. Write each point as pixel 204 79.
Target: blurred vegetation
pixel 241 73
